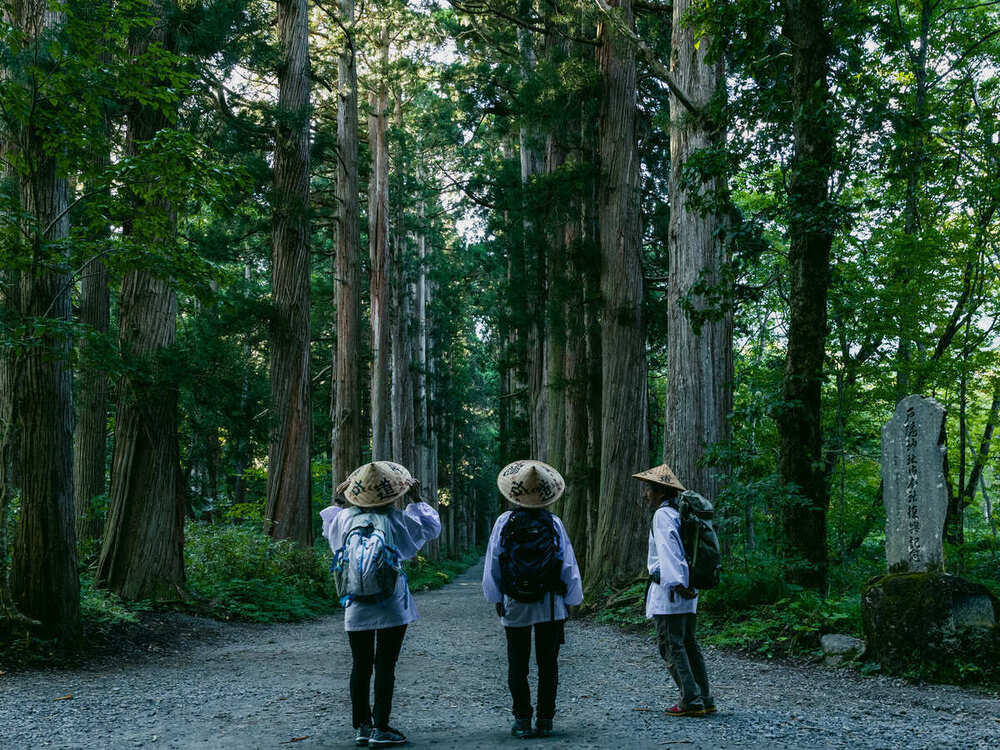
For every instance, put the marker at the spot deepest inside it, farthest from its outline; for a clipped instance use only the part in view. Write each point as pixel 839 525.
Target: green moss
pixel 917 625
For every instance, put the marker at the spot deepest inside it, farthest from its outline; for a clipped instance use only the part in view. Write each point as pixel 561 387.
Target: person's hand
pixel 687 593
pixel 655 576
pixel 500 610
pixel 413 494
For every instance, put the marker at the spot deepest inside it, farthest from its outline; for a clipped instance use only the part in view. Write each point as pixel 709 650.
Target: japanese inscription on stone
pixel 914 489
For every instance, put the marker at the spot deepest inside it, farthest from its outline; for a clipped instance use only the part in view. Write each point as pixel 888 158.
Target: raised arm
pixel 415 526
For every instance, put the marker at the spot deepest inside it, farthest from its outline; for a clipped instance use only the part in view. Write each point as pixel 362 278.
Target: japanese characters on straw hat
pixel 661 474
pixel 376 484
pixel 530 484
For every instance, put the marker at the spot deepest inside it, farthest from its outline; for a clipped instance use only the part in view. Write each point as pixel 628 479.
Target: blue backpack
pixel 367 565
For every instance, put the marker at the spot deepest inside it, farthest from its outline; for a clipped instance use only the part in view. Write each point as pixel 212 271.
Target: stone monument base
pixel 933 625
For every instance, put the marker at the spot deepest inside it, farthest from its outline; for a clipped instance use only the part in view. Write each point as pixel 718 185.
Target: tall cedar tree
pixel 347 426
pixel 810 235
pixel 378 247
pixel 289 483
pixel 142 554
pixel 403 428
pixel 699 342
pixel 44 579
pixel 618 547
pixel 93 387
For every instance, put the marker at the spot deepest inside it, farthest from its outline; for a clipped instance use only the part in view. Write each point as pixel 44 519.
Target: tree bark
pixel 576 462
pixel 426 437
pixel 142 554
pixel 699 341
pixel 44 580
pixel 90 439
pixel 289 483
pixel 403 430
pixel 532 315
pixel 618 549
pixel 810 235
pixel 347 265
pixel 378 244
pixel 555 320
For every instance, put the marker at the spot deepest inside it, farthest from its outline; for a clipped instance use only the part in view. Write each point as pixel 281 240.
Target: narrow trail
pixel 243 686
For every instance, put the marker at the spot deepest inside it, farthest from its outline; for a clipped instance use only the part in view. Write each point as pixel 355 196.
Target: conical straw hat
pixel 530 484
pixel 661 474
pixel 375 484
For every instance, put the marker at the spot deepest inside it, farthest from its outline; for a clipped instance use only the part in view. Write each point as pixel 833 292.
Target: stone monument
pixel 914 486
pixel 919 619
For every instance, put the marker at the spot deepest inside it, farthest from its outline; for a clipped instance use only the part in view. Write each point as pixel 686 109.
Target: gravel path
pixel 243 686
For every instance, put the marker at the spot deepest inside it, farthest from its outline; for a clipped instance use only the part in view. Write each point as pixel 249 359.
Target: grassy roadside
pixel 756 613
pixel 234 573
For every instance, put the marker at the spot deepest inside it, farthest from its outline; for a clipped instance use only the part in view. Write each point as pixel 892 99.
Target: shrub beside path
pixel 275 686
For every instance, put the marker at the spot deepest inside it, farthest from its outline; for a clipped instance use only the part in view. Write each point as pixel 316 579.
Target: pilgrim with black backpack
pixel 532 577
pixel 369 540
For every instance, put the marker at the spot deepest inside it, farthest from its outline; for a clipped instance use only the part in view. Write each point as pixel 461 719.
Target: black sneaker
pixel 362 734
pixel 521 729
pixel 386 737
pixel 543 728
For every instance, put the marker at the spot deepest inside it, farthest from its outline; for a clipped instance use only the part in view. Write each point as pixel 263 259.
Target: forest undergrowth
pixel 756 612
pixel 235 572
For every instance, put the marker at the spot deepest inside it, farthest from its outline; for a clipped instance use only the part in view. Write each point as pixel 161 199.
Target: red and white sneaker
pixel 677 710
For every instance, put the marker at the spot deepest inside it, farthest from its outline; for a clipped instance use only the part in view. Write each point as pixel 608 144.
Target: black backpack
pixel 701 544
pixel 531 556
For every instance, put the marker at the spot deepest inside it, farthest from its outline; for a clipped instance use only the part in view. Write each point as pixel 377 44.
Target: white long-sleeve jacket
pixel 666 555
pixel 520 614
pixel 411 528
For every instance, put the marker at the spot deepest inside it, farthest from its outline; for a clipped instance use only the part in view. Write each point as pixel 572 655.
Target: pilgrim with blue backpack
pixel 370 539
pixel 532 577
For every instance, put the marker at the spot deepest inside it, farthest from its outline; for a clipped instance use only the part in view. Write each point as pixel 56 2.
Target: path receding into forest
pixel 276 686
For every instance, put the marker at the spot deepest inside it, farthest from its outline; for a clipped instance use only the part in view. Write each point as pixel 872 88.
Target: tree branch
pixel 651 59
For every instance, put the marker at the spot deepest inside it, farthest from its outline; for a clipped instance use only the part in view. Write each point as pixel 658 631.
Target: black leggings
pixel 548 637
pixel 383 660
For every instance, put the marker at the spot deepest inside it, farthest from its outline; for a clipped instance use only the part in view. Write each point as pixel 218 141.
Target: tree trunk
pixel 347 265
pixel 699 346
pixel 918 125
pixel 403 431
pixel 93 387
pixel 810 234
pixel 426 438
pixel 576 457
pixel 378 244
pixel 142 554
pixel 289 483
pixel 555 320
pixel 44 580
pixel 593 307
pixel 619 550
pixel 532 277
pixel 90 439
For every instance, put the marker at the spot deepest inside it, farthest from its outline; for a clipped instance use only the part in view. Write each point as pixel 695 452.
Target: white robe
pixel 411 528
pixel 520 614
pixel 666 554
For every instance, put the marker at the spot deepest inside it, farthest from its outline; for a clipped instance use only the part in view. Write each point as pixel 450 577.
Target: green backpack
pixel 701 544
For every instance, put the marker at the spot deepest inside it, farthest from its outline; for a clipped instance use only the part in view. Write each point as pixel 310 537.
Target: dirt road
pixel 278 686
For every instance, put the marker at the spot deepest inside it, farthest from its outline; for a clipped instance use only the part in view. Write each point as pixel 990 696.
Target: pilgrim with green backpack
pixel 683 557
